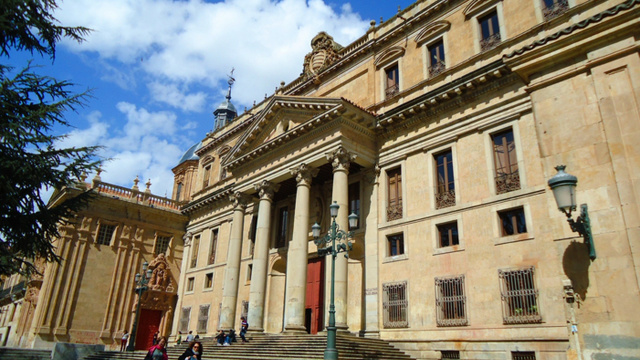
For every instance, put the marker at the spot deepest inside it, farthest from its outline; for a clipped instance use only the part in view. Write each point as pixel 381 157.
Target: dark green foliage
pixel 30 160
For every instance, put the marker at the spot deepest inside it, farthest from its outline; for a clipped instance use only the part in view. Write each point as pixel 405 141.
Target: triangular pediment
pixel 286 118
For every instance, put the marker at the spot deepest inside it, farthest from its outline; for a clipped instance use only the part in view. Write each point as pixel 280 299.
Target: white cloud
pixel 199 42
pixel 178 98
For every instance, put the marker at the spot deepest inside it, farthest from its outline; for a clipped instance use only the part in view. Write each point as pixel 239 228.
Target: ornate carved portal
pixel 161 294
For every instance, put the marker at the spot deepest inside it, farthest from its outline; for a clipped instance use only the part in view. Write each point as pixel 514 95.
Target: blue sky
pixel 158 68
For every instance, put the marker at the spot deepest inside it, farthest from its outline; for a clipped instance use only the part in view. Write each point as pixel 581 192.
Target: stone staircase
pixel 276 347
pixel 24 354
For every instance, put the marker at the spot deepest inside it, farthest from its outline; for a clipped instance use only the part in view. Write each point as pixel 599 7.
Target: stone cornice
pixel 225 136
pixel 219 195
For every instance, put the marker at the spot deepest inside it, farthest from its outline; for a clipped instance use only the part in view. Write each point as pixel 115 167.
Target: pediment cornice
pixel 429 31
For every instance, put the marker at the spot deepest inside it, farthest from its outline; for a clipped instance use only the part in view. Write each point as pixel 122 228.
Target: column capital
pixel 266 189
pixel 341 159
pixel 239 200
pixel 304 174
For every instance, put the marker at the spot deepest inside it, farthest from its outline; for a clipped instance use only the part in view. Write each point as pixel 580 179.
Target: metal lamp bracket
pixel 582 226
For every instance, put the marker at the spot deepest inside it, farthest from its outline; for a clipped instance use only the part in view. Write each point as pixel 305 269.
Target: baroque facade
pixel 439 128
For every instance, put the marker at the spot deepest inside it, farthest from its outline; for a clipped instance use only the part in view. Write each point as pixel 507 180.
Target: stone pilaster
pixel 340 159
pixel 298 251
pixel 266 191
pixel 232 271
pixel 371 327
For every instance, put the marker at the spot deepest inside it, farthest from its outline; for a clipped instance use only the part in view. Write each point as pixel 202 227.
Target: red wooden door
pixel 314 308
pixel 148 324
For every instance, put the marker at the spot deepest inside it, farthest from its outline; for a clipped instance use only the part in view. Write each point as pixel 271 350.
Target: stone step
pixel 24 354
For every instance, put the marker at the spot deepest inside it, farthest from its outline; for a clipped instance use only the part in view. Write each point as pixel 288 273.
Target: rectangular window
pixel 512 221
pixel 194 251
pixel 203 318
pixel 490 31
pixel 436 58
pixel 249 272
pixel 178 191
pixel 392 86
pixel 283 227
pixel 206 176
pixel 190 282
pixel 208 281
pixel 253 232
pixel 445 185
pixel 396 244
pixel 162 244
pixel 448 234
pixel 523 355
pixel 394 205
pixel 553 8
pixel 105 233
pixel 184 319
pixel 245 309
pixel 505 161
pixel 214 246
pixel 450 354
pixel 354 201
pixel 519 296
pixel 395 305
pixel 451 302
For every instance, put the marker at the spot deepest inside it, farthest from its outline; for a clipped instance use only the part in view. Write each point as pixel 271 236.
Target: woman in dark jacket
pixel 193 352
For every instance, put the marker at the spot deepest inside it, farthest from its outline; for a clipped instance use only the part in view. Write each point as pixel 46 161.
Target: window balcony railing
pixel 394 212
pixel 490 42
pixel 445 198
pixel 391 91
pixel 437 68
pixel 557 8
pixel 507 182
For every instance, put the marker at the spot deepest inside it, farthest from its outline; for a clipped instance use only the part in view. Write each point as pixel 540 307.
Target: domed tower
pixel 226 112
pixel 185 174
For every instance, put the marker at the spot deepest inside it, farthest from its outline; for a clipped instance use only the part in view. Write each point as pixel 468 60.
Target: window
pixel 523 355
pixel 394 205
pixel 512 221
pixel 178 191
pixel 450 354
pixel 396 244
pixel 105 233
pixel 203 318
pixel 190 283
pixel 490 31
pixel 249 272
pixel 445 185
pixel 436 58
pixel 395 305
pixel 208 281
pixel 448 234
pixel 505 161
pixel 283 226
pixel 392 85
pixel 554 8
pixel 450 302
pixel 206 176
pixel 354 201
pixel 162 244
pixel 519 296
pixel 214 245
pixel 245 309
pixel 252 234
pixel 194 251
pixel 184 319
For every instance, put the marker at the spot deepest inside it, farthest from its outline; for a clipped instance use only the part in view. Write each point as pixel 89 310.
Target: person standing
pixel 193 352
pixel 123 340
pixel 244 326
pixel 158 352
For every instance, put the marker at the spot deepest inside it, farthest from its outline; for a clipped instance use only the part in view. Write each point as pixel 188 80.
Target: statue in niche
pixel 160 276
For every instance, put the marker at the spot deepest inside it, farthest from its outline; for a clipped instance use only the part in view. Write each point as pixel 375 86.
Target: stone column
pixel 266 191
pixel 296 292
pixel 232 271
pixel 371 328
pixel 340 160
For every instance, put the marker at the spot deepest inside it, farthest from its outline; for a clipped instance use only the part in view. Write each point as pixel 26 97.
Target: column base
pixel 255 331
pixel 372 334
pixel 294 330
pixel 342 329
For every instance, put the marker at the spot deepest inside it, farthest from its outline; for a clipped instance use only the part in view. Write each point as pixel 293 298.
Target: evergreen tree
pixel 30 159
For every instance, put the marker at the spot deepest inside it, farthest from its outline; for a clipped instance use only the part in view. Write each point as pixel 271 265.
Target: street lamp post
pixel 141 281
pixel 327 246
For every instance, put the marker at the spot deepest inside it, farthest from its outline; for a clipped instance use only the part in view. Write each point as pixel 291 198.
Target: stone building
pixel 89 298
pixel 439 128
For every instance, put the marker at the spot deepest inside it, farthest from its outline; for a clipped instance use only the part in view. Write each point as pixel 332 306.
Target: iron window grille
pixel 203 318
pixel 554 8
pixel 396 244
pixel 395 305
pixel 105 234
pixel 507 176
pixel 451 302
pixel 392 87
pixel 184 319
pixel 162 244
pixel 512 221
pixel 445 185
pixel 523 355
pixel 450 354
pixel 519 296
pixel 436 58
pixel 194 251
pixel 490 29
